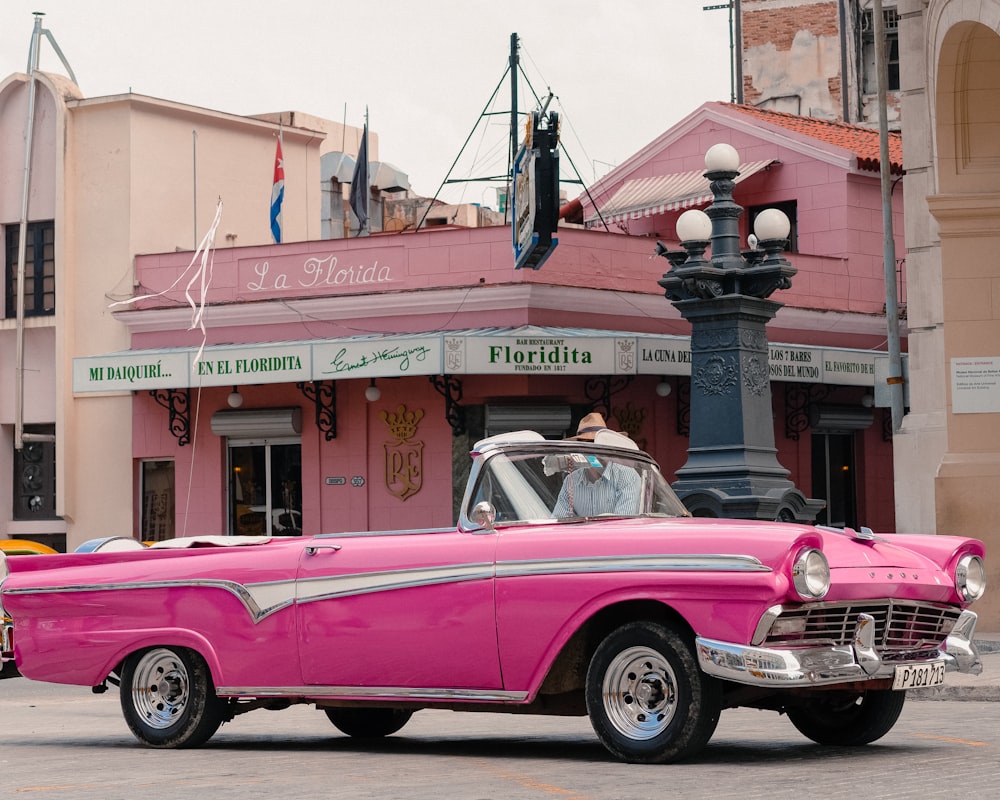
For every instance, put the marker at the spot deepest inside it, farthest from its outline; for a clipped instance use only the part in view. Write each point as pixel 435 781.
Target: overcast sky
pixel 622 71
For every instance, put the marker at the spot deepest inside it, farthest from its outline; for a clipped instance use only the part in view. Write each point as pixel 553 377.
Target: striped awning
pixel 643 197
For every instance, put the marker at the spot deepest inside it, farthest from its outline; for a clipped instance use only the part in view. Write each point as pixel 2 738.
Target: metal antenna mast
pixel 513 68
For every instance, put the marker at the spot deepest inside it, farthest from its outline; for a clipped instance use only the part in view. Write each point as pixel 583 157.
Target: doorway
pixel 265 487
pixel 833 478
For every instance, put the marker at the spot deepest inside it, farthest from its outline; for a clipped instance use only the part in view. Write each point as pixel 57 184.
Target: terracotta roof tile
pixel 863 142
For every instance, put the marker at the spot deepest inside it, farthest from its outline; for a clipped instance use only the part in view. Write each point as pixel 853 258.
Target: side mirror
pixel 484 514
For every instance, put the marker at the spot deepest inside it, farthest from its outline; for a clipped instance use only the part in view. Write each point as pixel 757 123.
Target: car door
pixel 412 610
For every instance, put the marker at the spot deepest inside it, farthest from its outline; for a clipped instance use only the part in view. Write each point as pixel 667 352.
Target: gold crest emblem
pixel 404 459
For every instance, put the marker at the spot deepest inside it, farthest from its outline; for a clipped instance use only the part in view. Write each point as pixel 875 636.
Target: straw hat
pixel 589 427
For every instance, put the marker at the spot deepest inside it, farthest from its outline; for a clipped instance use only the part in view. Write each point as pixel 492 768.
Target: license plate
pixel 918 676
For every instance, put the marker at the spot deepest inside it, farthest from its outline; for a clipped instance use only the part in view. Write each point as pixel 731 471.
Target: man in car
pixel 595 484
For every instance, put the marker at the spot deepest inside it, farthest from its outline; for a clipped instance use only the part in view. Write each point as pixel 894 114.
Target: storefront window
pixel 157 511
pixel 265 488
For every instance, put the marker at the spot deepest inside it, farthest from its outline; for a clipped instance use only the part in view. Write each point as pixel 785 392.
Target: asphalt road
pixel 65 743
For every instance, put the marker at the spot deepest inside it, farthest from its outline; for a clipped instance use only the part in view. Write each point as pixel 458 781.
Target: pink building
pixel 339 384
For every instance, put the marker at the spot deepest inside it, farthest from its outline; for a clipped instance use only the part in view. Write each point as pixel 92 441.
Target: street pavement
pixel 961 686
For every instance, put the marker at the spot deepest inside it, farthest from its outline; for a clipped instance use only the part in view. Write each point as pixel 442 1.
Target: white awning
pixel 527 349
pixel 643 197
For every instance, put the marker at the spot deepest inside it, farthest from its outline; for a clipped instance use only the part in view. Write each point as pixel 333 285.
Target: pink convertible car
pixel 649 621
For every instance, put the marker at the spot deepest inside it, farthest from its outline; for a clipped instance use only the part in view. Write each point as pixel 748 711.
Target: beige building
pixel 110 178
pixel 816 57
pixel 947 455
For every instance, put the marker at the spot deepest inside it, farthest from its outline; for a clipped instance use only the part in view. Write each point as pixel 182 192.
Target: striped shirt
pixel 616 491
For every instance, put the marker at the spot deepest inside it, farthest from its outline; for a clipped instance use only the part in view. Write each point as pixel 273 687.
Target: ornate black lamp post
pixel 732 468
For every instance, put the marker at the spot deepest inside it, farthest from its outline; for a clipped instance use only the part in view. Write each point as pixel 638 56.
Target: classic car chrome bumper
pixel 815 666
pixel 7 668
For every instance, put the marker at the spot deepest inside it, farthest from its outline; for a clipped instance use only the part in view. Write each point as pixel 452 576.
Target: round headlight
pixel 970 577
pixel 811 574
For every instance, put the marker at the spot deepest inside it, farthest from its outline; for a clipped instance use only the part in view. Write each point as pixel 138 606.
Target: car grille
pixel 899 626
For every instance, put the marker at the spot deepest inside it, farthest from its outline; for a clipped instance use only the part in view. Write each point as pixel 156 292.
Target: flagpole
pixel 367 191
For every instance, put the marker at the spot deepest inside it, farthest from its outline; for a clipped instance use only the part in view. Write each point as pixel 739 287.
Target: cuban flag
pixel 277 193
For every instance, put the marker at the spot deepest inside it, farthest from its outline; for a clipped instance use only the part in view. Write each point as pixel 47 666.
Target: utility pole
pixel 895 378
pixel 22 241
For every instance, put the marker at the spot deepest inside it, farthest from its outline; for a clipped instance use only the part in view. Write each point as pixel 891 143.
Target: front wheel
pixel 848 721
pixel 168 699
pixel 368 723
pixel 648 701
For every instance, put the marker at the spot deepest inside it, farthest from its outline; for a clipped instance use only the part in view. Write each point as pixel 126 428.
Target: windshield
pixel 573 484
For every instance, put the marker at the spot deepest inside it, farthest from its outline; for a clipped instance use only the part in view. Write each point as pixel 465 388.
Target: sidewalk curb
pixel 961 693
pixel 962 687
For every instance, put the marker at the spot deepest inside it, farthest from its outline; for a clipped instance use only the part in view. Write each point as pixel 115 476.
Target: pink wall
pixel 839 256
pixel 437 258
pixel 584 259
pixel 357 451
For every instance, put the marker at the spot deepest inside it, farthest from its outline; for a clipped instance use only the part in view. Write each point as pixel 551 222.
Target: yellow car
pixel 15 547
pixel 24 547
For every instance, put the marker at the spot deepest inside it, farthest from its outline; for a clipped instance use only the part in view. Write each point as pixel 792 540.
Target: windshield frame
pixel 518 472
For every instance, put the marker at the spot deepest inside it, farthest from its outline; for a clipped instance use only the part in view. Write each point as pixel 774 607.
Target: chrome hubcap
pixel 160 688
pixel 640 693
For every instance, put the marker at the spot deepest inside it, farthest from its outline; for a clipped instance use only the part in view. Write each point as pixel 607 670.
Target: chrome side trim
pixel 375 693
pixel 266 598
pixel 370 534
pixel 263 599
pixel 327 587
pixel 640 563
pixel 260 600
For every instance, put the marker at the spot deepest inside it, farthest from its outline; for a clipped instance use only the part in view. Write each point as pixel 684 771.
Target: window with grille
pixel 870 65
pixel 39 269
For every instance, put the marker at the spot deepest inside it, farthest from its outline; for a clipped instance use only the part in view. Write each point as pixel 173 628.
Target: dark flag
pixel 359 184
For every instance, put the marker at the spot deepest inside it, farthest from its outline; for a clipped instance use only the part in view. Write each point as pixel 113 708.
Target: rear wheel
pixel 849 721
pixel 647 699
pixel 368 723
pixel 168 699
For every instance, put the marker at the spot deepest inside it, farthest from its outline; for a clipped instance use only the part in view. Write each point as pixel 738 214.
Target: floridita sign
pixel 523 351
pixel 532 354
